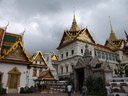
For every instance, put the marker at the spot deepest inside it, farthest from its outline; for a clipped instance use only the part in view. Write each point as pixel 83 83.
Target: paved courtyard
pixel 38 94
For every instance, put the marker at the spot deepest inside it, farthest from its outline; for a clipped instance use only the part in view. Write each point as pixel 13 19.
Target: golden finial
pixel 112 36
pixel 7 25
pixel 23 32
pixel 110 24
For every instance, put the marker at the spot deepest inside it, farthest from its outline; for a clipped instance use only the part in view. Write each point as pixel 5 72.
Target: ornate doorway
pixel 13 79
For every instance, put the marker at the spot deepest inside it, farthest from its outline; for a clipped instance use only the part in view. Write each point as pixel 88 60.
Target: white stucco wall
pixel 6 67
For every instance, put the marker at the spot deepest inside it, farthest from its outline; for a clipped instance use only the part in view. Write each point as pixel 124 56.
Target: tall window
pixel 72 67
pixel 61 55
pixel 61 69
pixel 106 56
pixel 95 53
pixel 40 71
pixel 110 57
pixel 34 72
pixel 103 55
pixel 81 51
pixel 66 69
pixel 90 52
pixel 114 58
pixel 72 52
pixel 66 54
pixel 99 54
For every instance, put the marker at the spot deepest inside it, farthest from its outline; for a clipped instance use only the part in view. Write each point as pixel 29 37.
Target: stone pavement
pixel 38 94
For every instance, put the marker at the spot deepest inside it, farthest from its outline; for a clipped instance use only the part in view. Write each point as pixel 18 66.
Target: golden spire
pixel 7 25
pixel 74 26
pixel 112 36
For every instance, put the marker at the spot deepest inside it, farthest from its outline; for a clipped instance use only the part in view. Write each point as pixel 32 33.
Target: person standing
pixel 84 89
pixel 69 88
pixel 108 88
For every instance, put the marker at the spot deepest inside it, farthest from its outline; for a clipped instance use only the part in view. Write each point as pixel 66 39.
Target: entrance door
pixel 80 75
pixel 13 81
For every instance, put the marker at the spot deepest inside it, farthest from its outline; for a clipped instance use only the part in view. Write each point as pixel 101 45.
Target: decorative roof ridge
pixel 13 47
pixel 86 28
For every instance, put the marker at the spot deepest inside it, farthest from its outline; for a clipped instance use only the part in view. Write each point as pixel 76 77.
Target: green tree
pixel 120 68
pixel 95 86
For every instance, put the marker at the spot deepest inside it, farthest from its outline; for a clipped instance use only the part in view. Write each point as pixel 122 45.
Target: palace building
pixel 17 68
pixel 72 47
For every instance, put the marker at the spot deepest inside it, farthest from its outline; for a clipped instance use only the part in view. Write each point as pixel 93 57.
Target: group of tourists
pixel 84 90
pixel 69 89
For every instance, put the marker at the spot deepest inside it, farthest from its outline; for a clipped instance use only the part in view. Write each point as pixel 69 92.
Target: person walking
pixel 84 89
pixel 108 88
pixel 69 88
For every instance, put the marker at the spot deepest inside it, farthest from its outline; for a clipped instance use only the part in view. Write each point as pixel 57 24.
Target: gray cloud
pixel 45 20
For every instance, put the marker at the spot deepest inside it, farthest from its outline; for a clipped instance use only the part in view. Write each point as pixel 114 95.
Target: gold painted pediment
pixel 16 54
pixel 66 39
pixel 14 71
pixel 85 36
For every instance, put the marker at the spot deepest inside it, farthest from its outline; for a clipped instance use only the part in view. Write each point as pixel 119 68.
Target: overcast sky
pixel 45 20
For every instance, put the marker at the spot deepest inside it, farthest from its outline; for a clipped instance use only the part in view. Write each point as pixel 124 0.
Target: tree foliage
pixel 120 68
pixel 95 86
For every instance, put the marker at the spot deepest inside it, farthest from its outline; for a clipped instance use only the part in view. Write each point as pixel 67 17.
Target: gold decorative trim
pixel 36 54
pixel 14 71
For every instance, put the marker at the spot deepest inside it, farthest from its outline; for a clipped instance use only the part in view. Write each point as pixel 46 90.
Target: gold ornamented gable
pixel 85 35
pixel 38 56
pixel 115 45
pixel 48 74
pixel 17 54
pixel 66 38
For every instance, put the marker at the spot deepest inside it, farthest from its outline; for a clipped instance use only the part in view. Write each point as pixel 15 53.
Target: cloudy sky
pixel 45 20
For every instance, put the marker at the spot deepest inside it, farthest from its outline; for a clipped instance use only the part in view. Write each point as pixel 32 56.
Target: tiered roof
pixel 113 42
pixel 75 34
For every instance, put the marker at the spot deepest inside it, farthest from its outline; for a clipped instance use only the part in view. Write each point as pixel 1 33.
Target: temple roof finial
pixel 23 32
pixel 74 26
pixel 112 36
pixel 111 25
pixel 7 25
